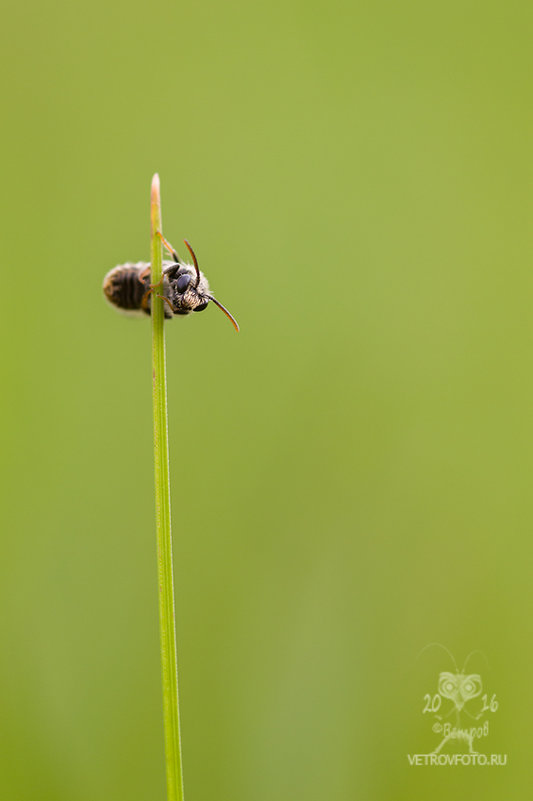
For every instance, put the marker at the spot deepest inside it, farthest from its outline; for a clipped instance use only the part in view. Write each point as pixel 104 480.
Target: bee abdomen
pixel 123 288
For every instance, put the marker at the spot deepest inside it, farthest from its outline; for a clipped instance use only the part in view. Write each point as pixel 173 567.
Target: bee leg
pixel 148 269
pixel 169 303
pixel 144 273
pixel 169 247
pixel 144 301
pixel 151 287
pixel 166 272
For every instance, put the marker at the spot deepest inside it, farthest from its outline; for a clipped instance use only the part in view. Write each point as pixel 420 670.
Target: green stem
pixel 169 661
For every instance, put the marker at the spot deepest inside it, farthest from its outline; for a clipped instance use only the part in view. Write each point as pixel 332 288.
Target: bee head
pixel 188 289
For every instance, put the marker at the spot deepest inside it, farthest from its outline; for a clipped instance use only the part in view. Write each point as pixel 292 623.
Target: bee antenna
pixel 191 251
pixel 226 312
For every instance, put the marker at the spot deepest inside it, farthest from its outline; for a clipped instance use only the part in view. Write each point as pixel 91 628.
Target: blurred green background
pixel 351 474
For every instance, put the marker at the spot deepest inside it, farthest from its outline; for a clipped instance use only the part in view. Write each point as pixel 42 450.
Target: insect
pixel 183 287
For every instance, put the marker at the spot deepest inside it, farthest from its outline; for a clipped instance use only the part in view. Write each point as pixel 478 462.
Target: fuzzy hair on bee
pixel 183 287
pixel 125 288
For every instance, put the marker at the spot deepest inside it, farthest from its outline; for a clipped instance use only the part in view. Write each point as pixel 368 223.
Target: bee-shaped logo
pixel 183 287
pixel 460 687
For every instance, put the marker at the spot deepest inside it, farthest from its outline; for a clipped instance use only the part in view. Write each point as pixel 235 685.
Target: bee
pixel 183 287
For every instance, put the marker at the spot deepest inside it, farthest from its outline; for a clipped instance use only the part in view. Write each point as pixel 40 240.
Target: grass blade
pixel 169 661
